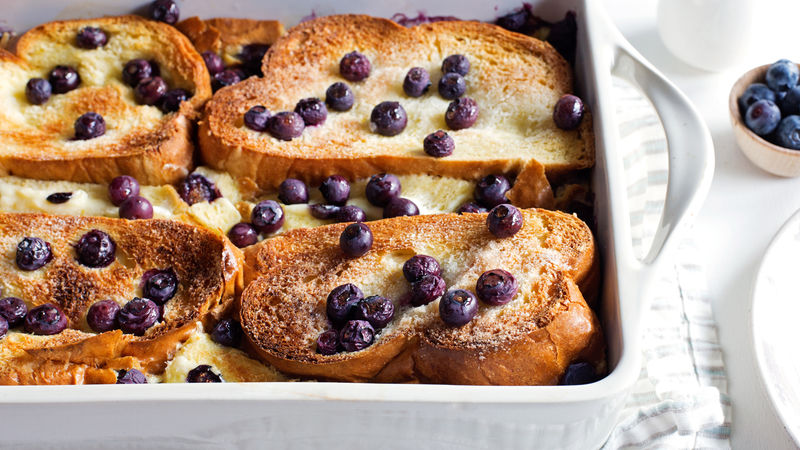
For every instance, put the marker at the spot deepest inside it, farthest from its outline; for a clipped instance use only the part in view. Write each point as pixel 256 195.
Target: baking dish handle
pixel 689 145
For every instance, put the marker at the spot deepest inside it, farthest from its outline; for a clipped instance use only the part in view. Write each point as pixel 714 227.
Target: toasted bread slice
pixel 70 357
pixel 515 79
pixel 226 36
pixel 530 340
pixel 206 265
pixel 36 141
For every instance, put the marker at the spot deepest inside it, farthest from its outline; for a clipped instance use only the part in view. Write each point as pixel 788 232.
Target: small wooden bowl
pixel 766 155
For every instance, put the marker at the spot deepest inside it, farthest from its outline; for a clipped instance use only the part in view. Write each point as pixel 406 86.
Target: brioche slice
pixel 70 357
pixel 226 36
pixel 207 267
pixel 530 340
pixel 515 80
pixel 37 141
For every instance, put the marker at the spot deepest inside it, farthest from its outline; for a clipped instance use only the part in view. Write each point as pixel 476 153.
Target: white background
pixel 745 208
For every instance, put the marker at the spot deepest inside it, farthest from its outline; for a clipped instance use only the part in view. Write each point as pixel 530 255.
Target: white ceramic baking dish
pixel 315 415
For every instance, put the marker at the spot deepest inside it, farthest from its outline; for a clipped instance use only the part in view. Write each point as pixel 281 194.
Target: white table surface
pixel 744 209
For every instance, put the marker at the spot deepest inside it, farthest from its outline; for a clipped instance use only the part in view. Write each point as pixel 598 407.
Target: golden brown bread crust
pixel 70 357
pixel 225 35
pixel 155 153
pixel 206 264
pixel 304 63
pixel 531 340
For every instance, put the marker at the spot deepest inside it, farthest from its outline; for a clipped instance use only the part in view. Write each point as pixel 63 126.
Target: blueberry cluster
pixel 772 110
pixel 44 319
pixel 489 192
pixel 149 88
pixel 221 76
pixel 138 315
pixel 355 319
pixel 123 191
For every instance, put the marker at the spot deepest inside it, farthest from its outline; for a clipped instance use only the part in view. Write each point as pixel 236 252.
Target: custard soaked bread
pixel 153 279
pixel 500 96
pixel 236 41
pixel 287 312
pixel 88 100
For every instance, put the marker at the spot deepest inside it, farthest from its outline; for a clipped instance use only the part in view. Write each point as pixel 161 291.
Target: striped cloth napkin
pixel 681 398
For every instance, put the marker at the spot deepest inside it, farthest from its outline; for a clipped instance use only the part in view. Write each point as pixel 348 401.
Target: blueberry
pixel 267 216
pixel 341 301
pixel 96 249
pixel 788 133
pixel 121 188
pixel 45 320
pixel 491 190
pixel 417 82
pixel 335 189
pixel 790 102
pixel 381 188
pixel 782 75
pixel 579 373
pixel 292 191
pixel 64 79
pixel 438 144
pixel 427 289
pixel 256 118
pixel 356 240
pixel 14 310
pixel 762 117
pixel 213 62
pixel 328 342
pixel 388 119
pixel 137 70
pixel 420 265
pixel 243 235
pixel 354 66
pixel 227 332
pixel 504 221
pixel 137 316
pixel 285 125
pixel 102 316
pixel 197 188
pixel 356 335
pixel 91 38
pixel 150 90
pixel 136 207
pixel 461 113
pixel 754 93
pixel 513 21
pixel 339 97
pixel 399 206
pixel 376 310
pixel 172 99
pixel 568 112
pixel 203 374
pixel 312 110
pixel 457 307
pixel 33 253
pixel 252 56
pixel 58 198
pixel 471 207
pixel 159 285
pixel 131 376
pixel 165 11
pixel 351 213
pixel 452 86
pixel 456 64
pixel 3 327
pixel 227 77
pixel 89 126
pixel 496 287
pixel 38 91
pixel 324 212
